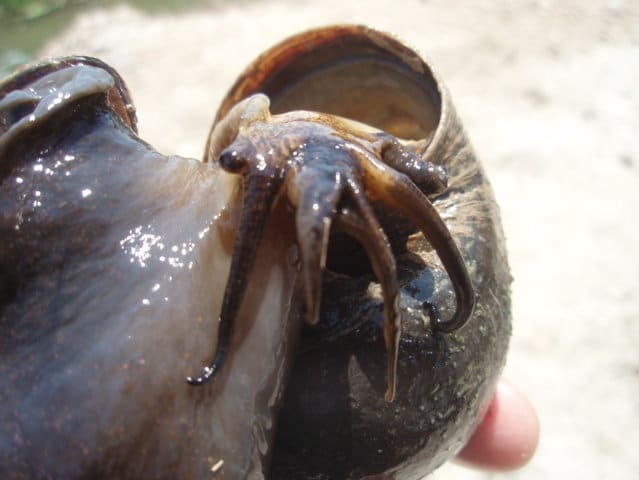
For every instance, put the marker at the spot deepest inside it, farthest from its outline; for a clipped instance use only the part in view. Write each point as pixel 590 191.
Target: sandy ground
pixel 547 90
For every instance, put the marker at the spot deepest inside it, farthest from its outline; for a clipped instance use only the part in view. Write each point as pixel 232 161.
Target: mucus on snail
pixel 128 345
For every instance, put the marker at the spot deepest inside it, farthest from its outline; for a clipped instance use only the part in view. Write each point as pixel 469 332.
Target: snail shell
pixel 334 422
pixel 93 358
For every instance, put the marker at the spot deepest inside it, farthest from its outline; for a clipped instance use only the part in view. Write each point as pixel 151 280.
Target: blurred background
pixel 549 93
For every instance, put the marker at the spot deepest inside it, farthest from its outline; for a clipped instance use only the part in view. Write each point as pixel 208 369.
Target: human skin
pixel 508 435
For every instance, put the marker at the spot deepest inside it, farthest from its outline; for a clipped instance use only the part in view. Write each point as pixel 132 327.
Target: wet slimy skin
pixel 108 296
pixel 329 171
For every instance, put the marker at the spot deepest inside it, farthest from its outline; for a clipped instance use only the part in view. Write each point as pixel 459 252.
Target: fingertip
pixel 508 435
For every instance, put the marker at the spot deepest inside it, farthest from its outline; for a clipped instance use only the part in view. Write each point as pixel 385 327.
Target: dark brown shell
pixel 335 423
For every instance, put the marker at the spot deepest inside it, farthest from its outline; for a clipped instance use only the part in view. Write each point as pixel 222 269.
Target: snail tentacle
pixel 364 227
pixel 400 191
pixel 431 179
pixel 253 109
pixel 261 183
pixel 259 194
pixel 322 163
pixel 318 199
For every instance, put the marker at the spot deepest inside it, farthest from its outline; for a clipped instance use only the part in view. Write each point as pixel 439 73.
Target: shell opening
pixel 350 71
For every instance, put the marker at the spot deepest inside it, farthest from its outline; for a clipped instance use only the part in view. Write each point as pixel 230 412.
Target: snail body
pixel 108 251
pixel 407 314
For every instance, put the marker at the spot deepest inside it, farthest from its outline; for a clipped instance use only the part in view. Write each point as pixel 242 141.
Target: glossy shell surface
pixel 335 423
